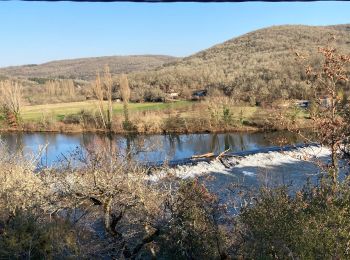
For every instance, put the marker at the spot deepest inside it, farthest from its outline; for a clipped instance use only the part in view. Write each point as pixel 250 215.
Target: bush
pixel 129 126
pixel 175 124
pixel 23 236
pixel 85 118
pixel 226 115
pixel 154 95
pixel 193 231
pixel 313 224
pixel 72 119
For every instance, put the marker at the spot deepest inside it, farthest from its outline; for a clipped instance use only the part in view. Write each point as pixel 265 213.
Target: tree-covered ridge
pixel 86 68
pixel 257 64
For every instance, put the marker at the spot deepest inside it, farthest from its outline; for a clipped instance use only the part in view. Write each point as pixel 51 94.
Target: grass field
pixel 60 110
pixel 179 116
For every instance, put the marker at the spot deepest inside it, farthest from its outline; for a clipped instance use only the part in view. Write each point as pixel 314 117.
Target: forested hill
pixel 259 63
pixel 257 66
pixel 86 68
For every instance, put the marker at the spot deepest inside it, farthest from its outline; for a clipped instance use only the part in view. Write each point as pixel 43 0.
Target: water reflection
pixel 141 147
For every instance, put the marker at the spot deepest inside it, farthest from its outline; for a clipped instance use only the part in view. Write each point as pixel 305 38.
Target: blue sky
pixel 36 32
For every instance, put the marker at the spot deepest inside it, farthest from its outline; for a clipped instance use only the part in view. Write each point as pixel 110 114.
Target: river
pixel 150 148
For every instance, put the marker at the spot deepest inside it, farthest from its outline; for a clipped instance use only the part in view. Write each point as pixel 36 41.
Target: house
pixel 302 103
pixel 173 95
pixel 325 102
pixel 199 94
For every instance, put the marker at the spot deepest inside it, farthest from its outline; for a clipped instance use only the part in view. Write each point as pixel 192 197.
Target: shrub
pixel 47 120
pixel 72 119
pixel 313 224
pixel 193 231
pixel 154 95
pixel 147 121
pixel 175 124
pixel 226 115
pixel 25 236
pixel 26 231
pixel 129 126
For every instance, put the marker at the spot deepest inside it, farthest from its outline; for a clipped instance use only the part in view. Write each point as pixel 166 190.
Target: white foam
pixel 259 160
pixel 246 173
pixel 270 159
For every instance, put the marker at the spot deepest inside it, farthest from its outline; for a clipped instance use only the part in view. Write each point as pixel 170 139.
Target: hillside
pixel 257 64
pixel 86 68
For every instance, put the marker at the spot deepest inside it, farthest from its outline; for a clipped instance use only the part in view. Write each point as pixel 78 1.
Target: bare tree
pixel 119 189
pixel 125 92
pixel 51 88
pixel 103 89
pixel 68 88
pixel 65 87
pixel 331 120
pixel 11 98
pixel 97 89
pixel 108 84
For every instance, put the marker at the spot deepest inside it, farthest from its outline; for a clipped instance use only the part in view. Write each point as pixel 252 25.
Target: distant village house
pixel 199 94
pixel 173 95
pixel 302 103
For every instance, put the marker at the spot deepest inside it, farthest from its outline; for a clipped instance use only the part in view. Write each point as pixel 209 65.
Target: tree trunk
pixel 335 166
pixel 107 214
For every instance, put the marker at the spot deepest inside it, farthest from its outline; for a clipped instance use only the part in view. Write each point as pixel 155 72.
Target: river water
pixel 151 148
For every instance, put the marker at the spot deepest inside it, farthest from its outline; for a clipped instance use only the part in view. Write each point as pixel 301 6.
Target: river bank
pixel 181 117
pixel 74 129
pixel 162 125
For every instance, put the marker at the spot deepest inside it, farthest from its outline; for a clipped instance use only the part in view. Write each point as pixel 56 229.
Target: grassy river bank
pixel 156 118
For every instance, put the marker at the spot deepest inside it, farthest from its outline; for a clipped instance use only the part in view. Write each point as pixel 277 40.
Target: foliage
pixel 129 126
pixel 25 236
pixel 39 80
pixel 256 67
pixel 295 113
pixel 72 119
pixel 259 65
pixel 331 122
pixel 193 231
pixel 154 95
pixel 86 68
pixel 226 114
pixel 11 99
pixel 125 92
pixel 314 223
pixel 175 123
pixel 134 213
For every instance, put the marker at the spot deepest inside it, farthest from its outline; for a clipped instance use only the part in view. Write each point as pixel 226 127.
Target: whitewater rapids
pixel 295 166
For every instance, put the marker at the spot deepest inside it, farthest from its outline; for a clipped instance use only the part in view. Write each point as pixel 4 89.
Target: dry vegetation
pixel 100 204
pixel 214 115
pixel 52 91
pixel 11 101
pixel 258 70
pixel 11 97
pixel 125 94
pixel 86 68
pixel 257 67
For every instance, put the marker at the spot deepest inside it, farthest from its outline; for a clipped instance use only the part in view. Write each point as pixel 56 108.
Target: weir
pixel 194 161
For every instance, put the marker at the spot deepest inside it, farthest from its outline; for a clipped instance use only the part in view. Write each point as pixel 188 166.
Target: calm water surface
pixel 141 147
